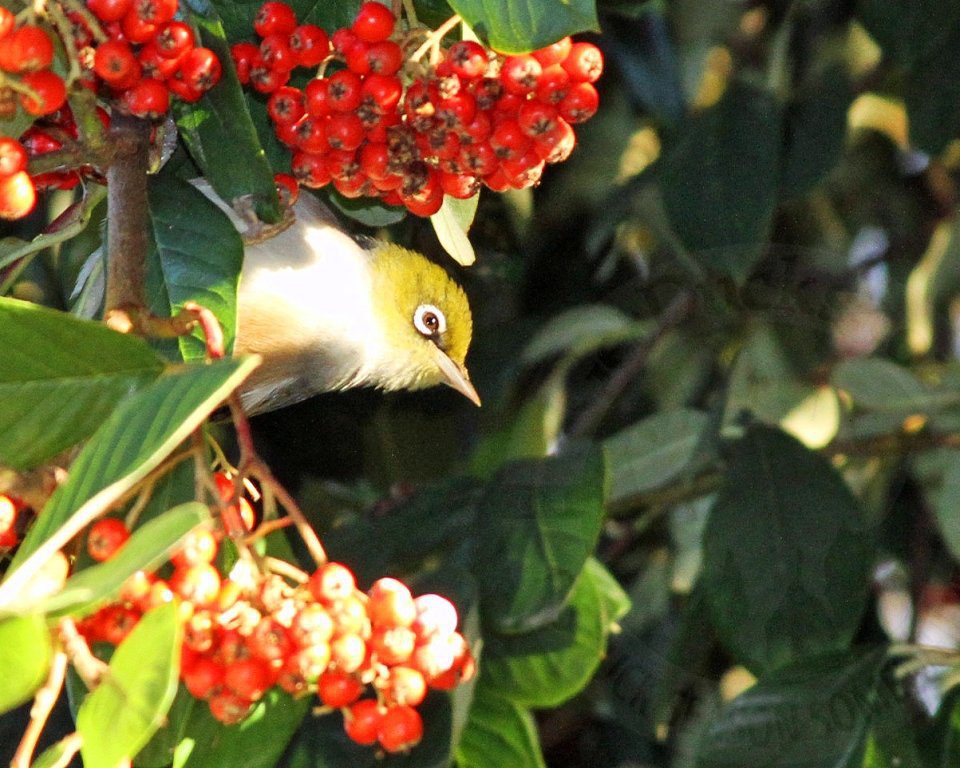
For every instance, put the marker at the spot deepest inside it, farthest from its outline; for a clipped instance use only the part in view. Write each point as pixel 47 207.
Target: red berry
pixel 245 57
pixel 183 90
pixel 269 640
pixel 374 22
pixel 382 92
pixel 391 604
pixel 114 62
pixel 310 44
pixel 405 685
pixel 392 645
pixel 480 159
pixel 399 729
pixel 249 678
pixel 348 652
pixel 584 63
pixel 553 54
pixel 148 98
pixel 342 40
pixel 174 39
pixel 345 91
pixel 310 662
pixel 8 509
pixel 117 623
pixel 7 21
pixel 200 69
pixel 156 11
pixel 199 546
pixel 310 169
pixel 553 85
pixel 467 59
pixel 556 147
pixel 356 58
pixel 311 625
pixel 537 119
pixel 106 537
pixel 435 616
pixel 135 28
pixel 287 189
pixel 317 95
pixel 520 74
pixel 202 676
pixel 509 141
pixel 266 80
pixel 109 10
pixel 312 135
pixel 276 52
pixel 580 104
pixel 337 689
pixel 31 49
pixel 361 721
pixel 285 105
pixel 375 160
pixel 384 58
pixel 154 64
pixel 229 708
pixel 274 18
pixel 331 582
pixel 13 159
pixel 200 583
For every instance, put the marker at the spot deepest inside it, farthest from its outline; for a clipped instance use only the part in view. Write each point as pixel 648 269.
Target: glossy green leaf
pixel 451 224
pixel 881 385
pixel 812 714
pixel 499 732
pixel 60 379
pixel 512 26
pixel 137 436
pixel 195 255
pixel 939 471
pixel 720 181
pixel 218 131
pixel 365 210
pixel 614 602
pixel 148 548
pixel 118 718
pixel 547 666
pixel 538 521
pixel 25 653
pixel 581 329
pixel 651 453
pixel 786 555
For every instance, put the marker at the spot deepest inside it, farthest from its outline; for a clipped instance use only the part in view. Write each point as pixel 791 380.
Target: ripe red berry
pixel 342 39
pixel 584 63
pixel 155 12
pixel 310 169
pixel 520 74
pixel 266 80
pixel 245 57
pixel 148 98
pixel 154 64
pixel 200 69
pixel 467 58
pixel 338 689
pixel 199 546
pixel 249 678
pixel 400 728
pixel 405 685
pixel 285 105
pixel 269 640
pixel 106 537
pixel 7 21
pixel 374 22
pixel 8 509
pixel 348 652
pixel 200 583
pixel 287 189
pixel 174 39
pixel 310 44
pixel 229 708
pixel 392 645
pixel 134 28
pixel 275 18
pixel 31 49
pixel 556 147
pixel 345 91
pixel 115 63
pixel 331 582
pixel 384 58
pixel 312 135
pixel 356 58
pixel 381 92
pixel 13 159
pixel 509 141
pixel 537 119
pixel 361 721
pixel 276 52
pixel 391 603
pixel 580 104
pixel 117 623
pixel 183 90
pixel 109 10
pixel 553 85
pixel 202 676
pixel 480 158
pixel 553 54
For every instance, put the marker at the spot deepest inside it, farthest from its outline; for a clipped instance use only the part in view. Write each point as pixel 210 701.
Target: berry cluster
pixel 148 55
pixel 388 126
pixel 249 632
pixel 26 54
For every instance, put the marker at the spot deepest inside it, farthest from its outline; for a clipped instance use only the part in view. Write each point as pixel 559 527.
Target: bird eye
pixel 429 320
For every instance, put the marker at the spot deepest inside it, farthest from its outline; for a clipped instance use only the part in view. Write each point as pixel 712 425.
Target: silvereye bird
pixel 326 312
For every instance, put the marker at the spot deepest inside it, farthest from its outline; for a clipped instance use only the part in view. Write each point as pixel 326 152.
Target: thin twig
pixel 267 527
pixel 285 569
pixel 43 703
pixel 90 669
pixel 677 310
pixel 434 38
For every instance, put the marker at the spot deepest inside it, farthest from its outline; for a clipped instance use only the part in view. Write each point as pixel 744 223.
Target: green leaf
pixel 538 521
pixel 651 453
pixel 581 330
pixel 815 126
pixel 148 548
pixel 881 385
pixel 547 666
pixel 786 558
pixel 451 223
pixel 118 718
pixel 613 600
pixel 137 436
pixel 25 654
pixel 499 732
pixel 512 26
pixel 812 714
pixel 195 255
pixel 720 181
pixel 369 212
pixel 933 96
pixel 238 15
pixel 939 470
pixel 60 379
pixel 193 737
pixel 220 133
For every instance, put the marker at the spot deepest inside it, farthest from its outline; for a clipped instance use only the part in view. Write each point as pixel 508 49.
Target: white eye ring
pixel 429 320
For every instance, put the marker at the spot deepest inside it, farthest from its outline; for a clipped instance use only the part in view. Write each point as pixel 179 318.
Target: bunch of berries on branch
pixel 391 116
pixel 373 656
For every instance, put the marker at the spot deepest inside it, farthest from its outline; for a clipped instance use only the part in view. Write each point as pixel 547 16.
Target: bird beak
pixel 456 376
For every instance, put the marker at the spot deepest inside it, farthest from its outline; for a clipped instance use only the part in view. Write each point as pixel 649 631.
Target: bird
pixel 326 312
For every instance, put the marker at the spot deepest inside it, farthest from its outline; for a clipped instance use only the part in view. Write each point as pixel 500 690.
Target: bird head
pixel 425 323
